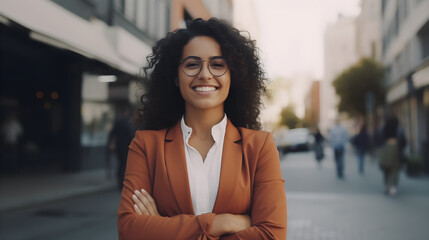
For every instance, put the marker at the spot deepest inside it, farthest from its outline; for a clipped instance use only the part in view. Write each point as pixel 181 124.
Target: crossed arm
pixel 222 224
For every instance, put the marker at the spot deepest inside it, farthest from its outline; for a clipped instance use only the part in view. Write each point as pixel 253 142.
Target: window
pixel 130 10
pixel 119 5
pixel 142 14
pixel 162 19
pixel 397 20
pixel 151 17
pixel 405 10
pixel 383 5
pixel 97 119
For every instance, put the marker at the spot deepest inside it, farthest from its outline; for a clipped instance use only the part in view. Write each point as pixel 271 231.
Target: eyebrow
pixel 212 57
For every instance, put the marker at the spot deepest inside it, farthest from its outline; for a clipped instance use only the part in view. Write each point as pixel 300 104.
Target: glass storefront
pixel 97 120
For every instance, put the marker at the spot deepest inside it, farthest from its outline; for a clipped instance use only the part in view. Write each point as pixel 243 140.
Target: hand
pixel 229 223
pixel 144 203
pixel 241 222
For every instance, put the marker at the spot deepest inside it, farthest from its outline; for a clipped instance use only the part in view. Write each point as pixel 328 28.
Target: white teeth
pixel 204 89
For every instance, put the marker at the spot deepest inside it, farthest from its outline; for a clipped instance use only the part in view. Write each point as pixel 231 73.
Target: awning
pixel 421 77
pixel 397 92
pixel 54 25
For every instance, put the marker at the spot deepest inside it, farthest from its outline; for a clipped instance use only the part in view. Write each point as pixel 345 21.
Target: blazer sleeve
pixel 133 226
pixel 268 211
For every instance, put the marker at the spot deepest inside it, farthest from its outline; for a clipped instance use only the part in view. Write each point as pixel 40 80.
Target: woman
pixel 318 146
pixel 390 152
pixel 360 142
pixel 200 169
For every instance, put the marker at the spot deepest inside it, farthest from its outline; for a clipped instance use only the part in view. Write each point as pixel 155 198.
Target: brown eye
pixel 192 64
pixel 218 64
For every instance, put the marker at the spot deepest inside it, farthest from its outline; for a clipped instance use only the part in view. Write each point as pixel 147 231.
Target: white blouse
pixel 204 175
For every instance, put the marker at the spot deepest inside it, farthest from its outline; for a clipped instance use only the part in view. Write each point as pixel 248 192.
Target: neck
pixel 202 121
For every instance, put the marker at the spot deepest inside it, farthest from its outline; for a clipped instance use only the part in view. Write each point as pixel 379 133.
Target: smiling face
pixel 203 91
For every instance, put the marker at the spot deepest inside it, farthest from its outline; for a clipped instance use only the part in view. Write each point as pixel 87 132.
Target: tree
pixel 289 118
pixel 354 85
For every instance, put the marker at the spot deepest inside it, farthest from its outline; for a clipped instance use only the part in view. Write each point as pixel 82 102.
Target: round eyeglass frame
pixel 201 66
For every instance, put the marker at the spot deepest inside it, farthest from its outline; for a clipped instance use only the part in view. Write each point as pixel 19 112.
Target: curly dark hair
pixel 163 105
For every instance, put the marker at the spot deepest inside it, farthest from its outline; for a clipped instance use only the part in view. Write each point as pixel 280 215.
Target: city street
pixel 320 207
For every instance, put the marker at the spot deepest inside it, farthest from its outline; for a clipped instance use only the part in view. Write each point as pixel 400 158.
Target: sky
pixel 291 33
pixel 290 37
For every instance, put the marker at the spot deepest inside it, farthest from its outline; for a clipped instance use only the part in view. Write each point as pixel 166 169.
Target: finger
pixel 142 198
pixel 137 210
pixel 153 209
pixel 150 198
pixel 145 199
pixel 140 205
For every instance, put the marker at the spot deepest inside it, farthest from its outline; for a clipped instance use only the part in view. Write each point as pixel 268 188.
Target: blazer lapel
pixel 231 168
pixel 175 161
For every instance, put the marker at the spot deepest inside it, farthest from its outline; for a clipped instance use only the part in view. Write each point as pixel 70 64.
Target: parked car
pixel 294 140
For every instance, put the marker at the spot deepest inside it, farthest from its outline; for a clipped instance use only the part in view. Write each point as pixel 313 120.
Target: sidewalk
pixel 323 179
pixel 323 207
pixel 20 191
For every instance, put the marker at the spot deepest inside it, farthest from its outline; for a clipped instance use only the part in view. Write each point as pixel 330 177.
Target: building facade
pixel 67 67
pixel 405 56
pixel 368 28
pixel 182 10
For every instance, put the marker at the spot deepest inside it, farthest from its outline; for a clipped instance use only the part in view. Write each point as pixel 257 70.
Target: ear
pixel 176 81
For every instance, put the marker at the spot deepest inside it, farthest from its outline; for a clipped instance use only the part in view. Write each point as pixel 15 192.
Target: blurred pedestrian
pixel 10 131
pixel 338 137
pixel 201 169
pixel 119 139
pixel 108 156
pixel 391 153
pixel 360 142
pixel 318 146
pixel 378 135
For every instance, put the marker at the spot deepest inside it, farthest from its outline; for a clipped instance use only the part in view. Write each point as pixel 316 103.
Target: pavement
pixel 321 206
pixel 29 190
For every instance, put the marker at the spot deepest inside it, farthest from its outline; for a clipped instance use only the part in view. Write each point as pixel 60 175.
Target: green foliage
pixel 354 83
pixel 288 117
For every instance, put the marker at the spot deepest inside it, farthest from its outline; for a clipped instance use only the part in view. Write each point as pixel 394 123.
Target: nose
pixel 205 73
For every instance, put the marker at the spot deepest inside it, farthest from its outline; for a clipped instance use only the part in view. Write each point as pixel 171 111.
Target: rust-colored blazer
pixel 250 183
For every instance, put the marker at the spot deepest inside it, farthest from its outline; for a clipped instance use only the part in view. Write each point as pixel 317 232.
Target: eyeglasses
pixel 192 66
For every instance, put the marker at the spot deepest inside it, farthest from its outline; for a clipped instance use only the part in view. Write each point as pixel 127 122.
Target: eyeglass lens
pixel 192 66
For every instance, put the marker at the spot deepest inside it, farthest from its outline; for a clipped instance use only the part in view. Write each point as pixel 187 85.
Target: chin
pixel 206 105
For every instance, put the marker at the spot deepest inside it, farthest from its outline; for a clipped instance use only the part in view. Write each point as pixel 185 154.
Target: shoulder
pixel 255 137
pixel 147 138
pixel 150 133
pixel 258 147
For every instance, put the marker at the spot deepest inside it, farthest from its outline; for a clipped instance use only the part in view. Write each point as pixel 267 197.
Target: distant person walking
pixel 10 132
pixel 318 146
pixel 119 139
pixel 391 154
pixel 360 142
pixel 338 138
